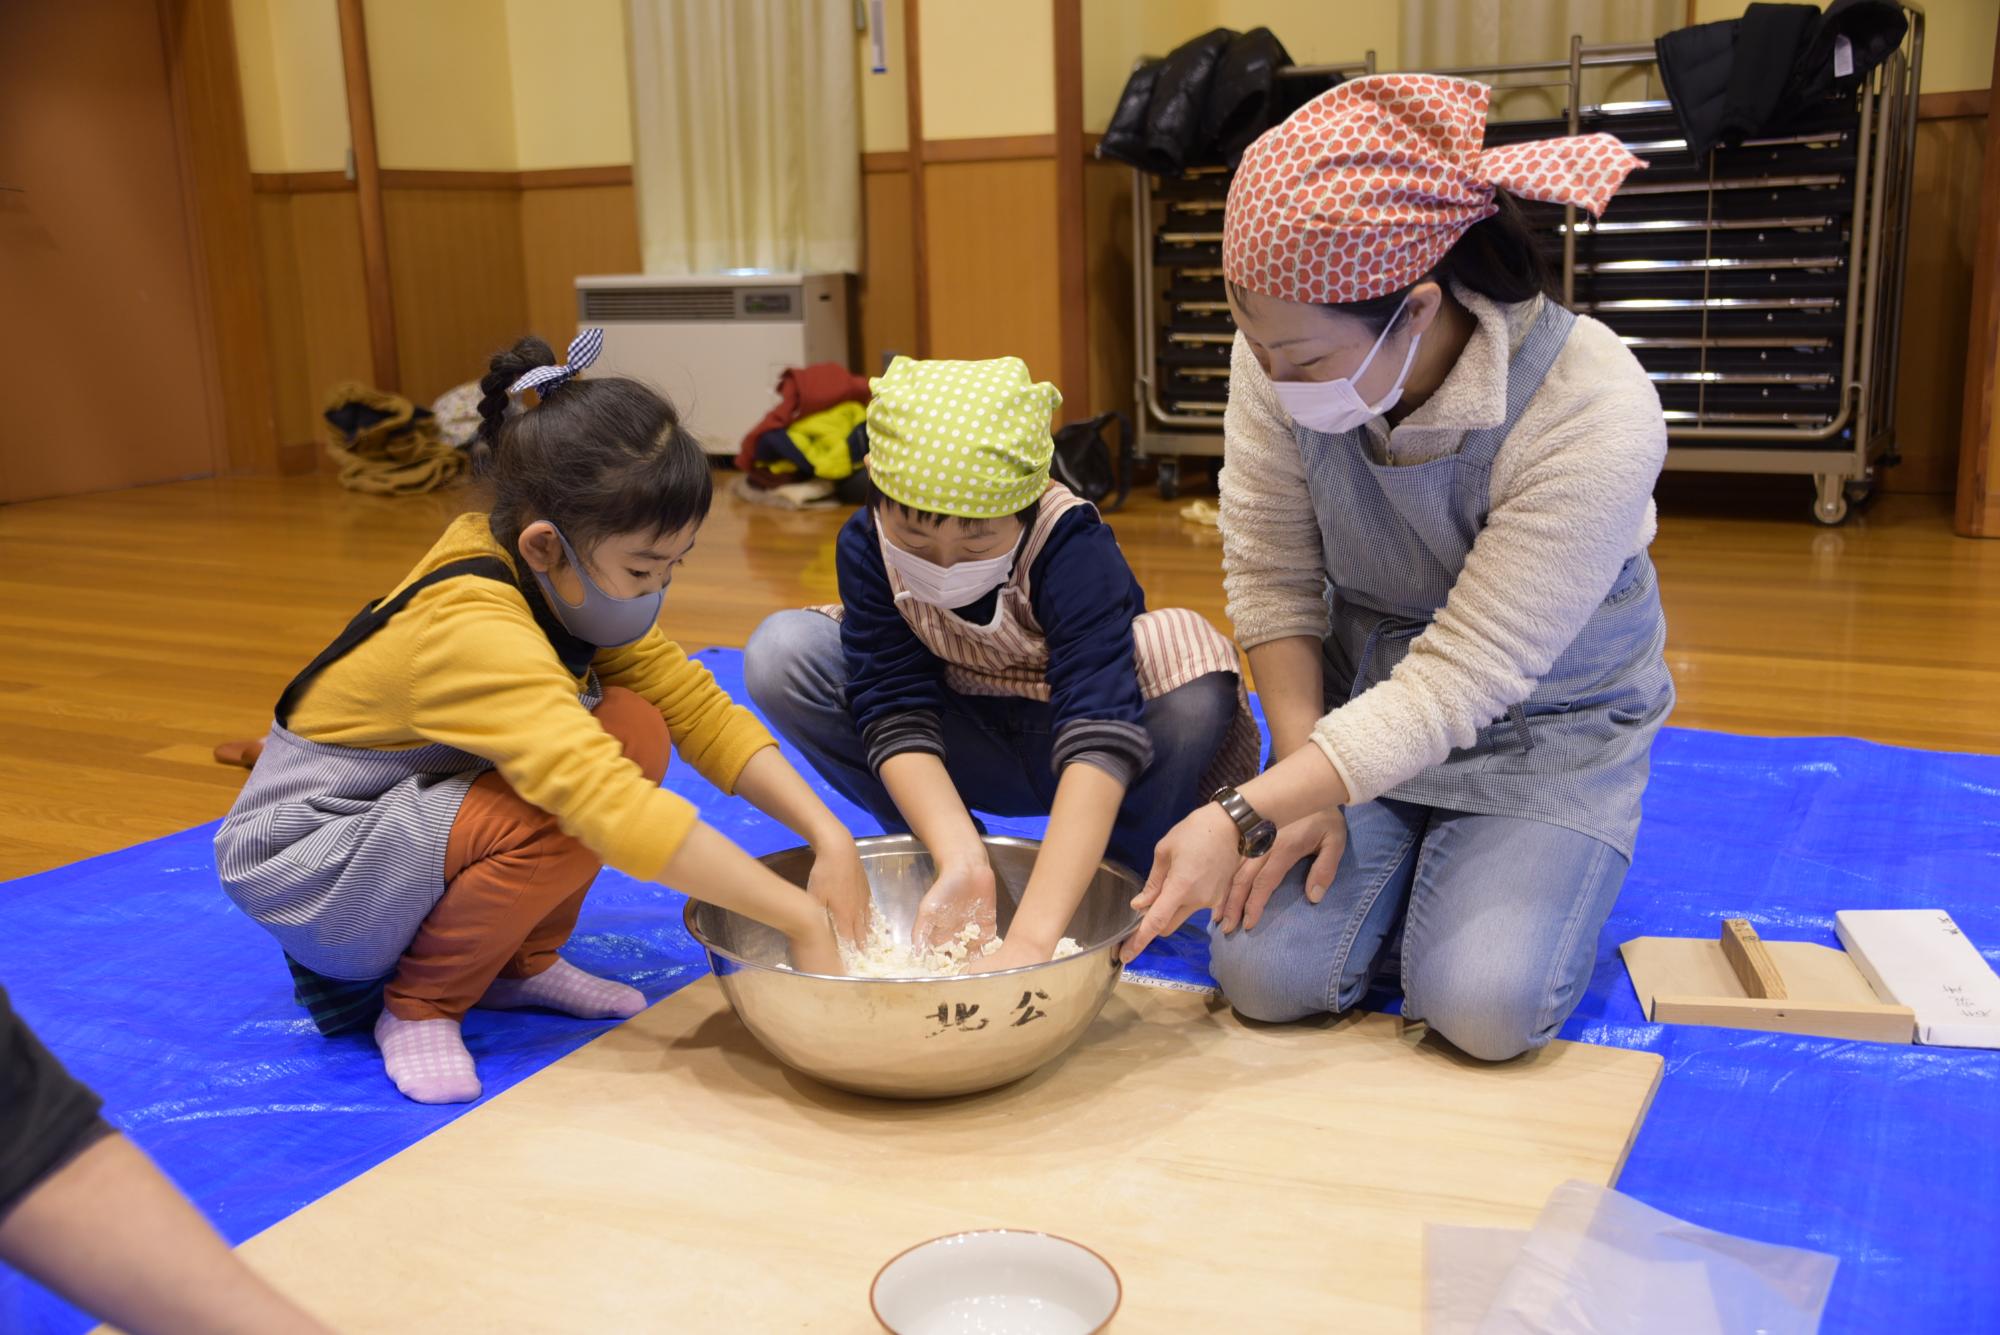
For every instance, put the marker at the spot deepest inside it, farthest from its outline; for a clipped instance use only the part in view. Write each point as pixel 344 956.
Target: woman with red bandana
pixel 1436 509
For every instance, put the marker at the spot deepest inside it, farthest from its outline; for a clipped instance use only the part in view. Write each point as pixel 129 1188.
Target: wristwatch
pixel 1254 834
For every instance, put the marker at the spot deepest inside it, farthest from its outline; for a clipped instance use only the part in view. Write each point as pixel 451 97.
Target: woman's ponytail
pixel 1497 257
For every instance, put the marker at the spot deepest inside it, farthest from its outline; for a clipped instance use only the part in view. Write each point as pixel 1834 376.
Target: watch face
pixel 1258 842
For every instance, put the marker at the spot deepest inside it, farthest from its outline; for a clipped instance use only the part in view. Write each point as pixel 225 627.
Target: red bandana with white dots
pixel 1362 191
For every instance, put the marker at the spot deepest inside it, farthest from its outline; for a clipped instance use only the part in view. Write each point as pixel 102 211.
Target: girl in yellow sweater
pixel 442 783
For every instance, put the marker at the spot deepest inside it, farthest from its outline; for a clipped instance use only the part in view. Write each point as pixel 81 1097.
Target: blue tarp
pixel 141 976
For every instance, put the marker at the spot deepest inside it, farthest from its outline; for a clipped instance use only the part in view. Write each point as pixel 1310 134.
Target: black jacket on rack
pixel 1201 106
pixel 1742 77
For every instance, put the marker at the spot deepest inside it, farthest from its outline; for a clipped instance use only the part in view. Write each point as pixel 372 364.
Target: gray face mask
pixel 600 619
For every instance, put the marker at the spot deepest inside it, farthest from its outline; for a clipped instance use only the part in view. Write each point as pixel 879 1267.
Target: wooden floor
pixel 137 628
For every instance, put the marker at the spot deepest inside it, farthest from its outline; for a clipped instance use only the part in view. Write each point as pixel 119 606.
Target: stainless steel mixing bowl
pixel 921 1038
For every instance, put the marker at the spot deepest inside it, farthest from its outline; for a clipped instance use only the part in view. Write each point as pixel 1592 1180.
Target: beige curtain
pixel 1452 34
pixel 745 138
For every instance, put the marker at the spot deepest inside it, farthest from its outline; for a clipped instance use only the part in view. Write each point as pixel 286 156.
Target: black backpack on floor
pixel 1089 465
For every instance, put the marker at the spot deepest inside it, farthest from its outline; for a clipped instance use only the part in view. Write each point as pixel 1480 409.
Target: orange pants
pixel 514 883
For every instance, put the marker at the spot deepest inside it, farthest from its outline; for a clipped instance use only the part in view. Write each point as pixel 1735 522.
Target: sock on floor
pixel 564 987
pixel 427 1059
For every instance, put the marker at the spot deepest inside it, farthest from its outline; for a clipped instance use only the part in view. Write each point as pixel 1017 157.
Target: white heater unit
pixel 715 345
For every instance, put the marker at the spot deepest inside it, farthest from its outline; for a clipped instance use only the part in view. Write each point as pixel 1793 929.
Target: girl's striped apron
pixel 339 851
pixel 1010 656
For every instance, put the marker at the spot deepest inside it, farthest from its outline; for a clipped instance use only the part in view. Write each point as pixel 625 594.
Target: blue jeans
pixel 997 749
pixel 1499 918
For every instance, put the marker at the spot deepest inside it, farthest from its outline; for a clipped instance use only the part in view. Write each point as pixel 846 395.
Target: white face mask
pixel 1334 406
pixel 948 587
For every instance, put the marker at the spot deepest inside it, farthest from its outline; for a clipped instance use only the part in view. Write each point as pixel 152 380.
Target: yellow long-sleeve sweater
pixel 465 664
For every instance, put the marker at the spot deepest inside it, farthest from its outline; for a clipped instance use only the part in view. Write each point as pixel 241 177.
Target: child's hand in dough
pixel 838 882
pixel 963 893
pixel 813 948
pixel 1014 953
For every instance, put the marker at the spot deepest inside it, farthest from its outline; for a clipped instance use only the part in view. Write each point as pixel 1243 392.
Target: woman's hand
pixel 1192 869
pixel 1321 836
pixel 964 892
pixel 841 886
pixel 814 949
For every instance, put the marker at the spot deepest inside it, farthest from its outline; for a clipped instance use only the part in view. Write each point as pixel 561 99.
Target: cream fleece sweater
pixel 1571 501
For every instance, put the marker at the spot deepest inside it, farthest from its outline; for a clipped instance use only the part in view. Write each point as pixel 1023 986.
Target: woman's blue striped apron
pixel 339 851
pixel 1575 752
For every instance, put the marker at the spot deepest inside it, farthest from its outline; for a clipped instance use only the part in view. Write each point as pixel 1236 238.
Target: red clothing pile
pixel 803 391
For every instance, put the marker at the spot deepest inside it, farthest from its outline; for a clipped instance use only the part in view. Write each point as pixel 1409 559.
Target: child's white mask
pixel 948 587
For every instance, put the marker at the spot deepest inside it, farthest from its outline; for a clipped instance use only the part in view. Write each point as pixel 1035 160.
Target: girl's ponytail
pixel 505 368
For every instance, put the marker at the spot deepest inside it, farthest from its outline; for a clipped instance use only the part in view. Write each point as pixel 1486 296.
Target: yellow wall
pixel 885 101
pixel 466 85
pixel 568 67
pixel 989 67
pixel 473 85
pixel 294 91
pixel 1118 32
pixel 443 98
pixel 1958 40
pixel 1115 32
pixel 1320 31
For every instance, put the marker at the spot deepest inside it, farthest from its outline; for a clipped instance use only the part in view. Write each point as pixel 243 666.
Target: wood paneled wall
pixel 315 305
pixel 1107 224
pixel 887 291
pixel 459 280
pixel 1937 296
pixel 476 260
pixel 474 267
pixel 566 231
pixel 991 241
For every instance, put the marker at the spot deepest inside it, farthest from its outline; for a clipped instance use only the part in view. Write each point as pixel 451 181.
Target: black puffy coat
pixel 1202 105
pixel 1742 77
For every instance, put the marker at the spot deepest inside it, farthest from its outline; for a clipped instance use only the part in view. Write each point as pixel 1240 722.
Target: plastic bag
pixel 1600 1263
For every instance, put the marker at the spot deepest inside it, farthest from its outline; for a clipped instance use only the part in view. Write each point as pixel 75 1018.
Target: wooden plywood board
pixel 1870 1024
pixel 672 1176
pixel 1690 981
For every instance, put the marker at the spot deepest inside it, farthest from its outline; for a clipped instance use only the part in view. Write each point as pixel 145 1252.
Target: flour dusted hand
pixel 883 952
pixel 963 897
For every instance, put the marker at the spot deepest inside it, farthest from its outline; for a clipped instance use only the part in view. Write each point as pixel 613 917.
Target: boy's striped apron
pixel 339 851
pixel 1010 657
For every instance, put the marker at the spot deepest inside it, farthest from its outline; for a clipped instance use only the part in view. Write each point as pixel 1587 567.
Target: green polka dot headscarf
pixel 968 439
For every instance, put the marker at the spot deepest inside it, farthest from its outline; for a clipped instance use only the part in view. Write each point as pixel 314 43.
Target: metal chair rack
pixel 1761 287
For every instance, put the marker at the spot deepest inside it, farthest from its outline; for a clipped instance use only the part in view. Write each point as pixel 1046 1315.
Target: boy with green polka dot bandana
pixel 993 652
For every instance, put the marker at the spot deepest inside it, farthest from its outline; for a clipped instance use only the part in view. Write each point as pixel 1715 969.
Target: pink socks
pixel 427 1059
pixel 564 987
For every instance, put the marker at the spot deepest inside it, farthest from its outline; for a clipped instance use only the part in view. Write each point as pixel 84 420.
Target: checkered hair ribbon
pixel 583 350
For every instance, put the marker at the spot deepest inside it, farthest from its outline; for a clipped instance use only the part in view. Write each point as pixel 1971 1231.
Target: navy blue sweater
pixel 1085 598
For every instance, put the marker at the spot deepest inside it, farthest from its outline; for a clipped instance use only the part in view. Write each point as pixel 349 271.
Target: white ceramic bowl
pixel 997 1282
